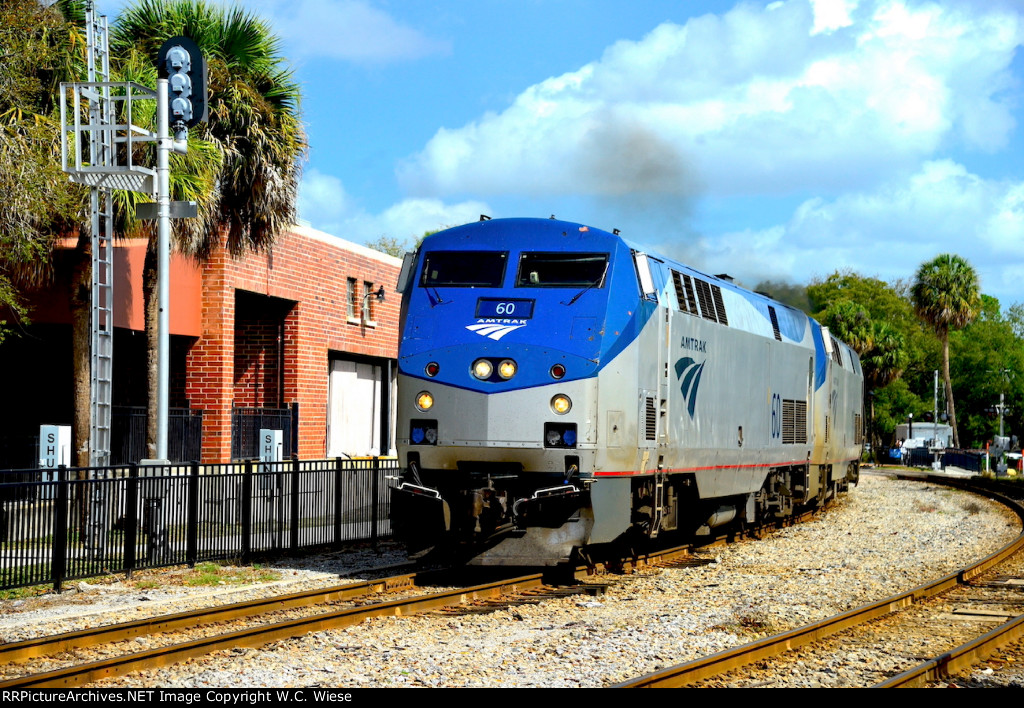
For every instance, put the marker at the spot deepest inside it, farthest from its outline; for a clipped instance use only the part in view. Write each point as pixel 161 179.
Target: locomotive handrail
pixel 422 490
pixel 554 491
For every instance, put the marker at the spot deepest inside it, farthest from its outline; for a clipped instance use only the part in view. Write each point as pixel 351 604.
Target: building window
pixel 353 303
pixel 368 299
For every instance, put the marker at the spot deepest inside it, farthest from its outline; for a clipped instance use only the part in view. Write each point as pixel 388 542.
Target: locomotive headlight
pixel 482 369
pixel 432 369
pixel 424 401
pixel 557 371
pixel 561 404
pixel 507 369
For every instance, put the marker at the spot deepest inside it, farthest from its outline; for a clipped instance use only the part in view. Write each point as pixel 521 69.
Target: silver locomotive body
pixel 643 397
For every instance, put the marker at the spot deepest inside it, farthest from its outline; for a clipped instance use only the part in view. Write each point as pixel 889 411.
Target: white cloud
pixel 830 15
pixel 792 96
pixel 889 231
pixel 322 197
pixel 324 203
pixel 352 30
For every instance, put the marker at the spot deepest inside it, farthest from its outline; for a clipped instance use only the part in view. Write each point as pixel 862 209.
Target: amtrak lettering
pixel 693 344
pixel 688 372
pixel 495 328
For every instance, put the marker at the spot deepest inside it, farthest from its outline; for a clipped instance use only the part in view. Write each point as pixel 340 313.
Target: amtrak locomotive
pixel 559 388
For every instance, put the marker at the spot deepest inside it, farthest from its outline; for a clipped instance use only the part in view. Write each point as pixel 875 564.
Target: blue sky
pixel 769 140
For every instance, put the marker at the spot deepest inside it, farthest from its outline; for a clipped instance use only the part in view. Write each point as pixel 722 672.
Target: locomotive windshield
pixel 472 269
pixel 561 270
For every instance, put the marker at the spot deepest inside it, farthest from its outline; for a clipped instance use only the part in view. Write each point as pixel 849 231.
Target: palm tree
pixel 946 295
pixel 243 166
pixel 883 363
pixel 880 346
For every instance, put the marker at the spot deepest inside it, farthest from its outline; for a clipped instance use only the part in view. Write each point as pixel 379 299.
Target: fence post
pixel 131 519
pixel 337 502
pixel 59 549
pixel 375 504
pixel 192 516
pixel 247 512
pixel 294 539
pixel 293 443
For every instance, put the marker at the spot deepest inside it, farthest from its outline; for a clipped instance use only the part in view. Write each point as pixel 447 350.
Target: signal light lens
pixel 482 369
pixel 424 401
pixel 557 371
pixel 432 369
pixel 507 369
pixel 561 404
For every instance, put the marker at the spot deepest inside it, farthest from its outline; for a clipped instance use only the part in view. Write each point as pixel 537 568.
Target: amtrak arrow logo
pixel 688 372
pixel 492 330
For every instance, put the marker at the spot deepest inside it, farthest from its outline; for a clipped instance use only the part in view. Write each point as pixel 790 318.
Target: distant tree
pixel 851 323
pixel 892 404
pixel 880 346
pixel 885 361
pixel 881 300
pixel 986 360
pixel 946 296
pixel 887 303
pixel 393 247
pixel 389 245
pixel 1015 318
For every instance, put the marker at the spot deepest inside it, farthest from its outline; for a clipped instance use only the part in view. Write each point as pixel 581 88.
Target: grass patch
pixel 972 507
pixel 210 574
pixel 22 593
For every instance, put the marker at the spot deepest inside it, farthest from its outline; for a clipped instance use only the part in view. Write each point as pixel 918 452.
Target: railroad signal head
pixel 184 66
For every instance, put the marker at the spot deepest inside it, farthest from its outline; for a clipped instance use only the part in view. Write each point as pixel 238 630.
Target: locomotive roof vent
pixel 726 277
pixel 484 217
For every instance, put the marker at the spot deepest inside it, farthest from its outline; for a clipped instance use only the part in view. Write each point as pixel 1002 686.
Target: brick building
pixel 294 338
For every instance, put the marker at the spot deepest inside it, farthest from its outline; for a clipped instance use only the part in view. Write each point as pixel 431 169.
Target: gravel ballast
pixel 883 537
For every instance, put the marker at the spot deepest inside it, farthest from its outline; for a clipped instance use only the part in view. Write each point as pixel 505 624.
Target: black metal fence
pixel 73 523
pixel 19 445
pixel 246 424
pixel 970 460
pixel 128 434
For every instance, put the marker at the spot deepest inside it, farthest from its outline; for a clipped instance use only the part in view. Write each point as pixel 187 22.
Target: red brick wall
pixel 312 270
pixel 257 380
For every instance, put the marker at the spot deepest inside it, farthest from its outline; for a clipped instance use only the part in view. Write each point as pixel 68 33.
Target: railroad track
pixel 16 658
pixel 479 598
pixel 327 616
pixel 949 607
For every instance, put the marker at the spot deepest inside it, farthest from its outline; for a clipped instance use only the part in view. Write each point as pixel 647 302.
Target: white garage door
pixel 353 414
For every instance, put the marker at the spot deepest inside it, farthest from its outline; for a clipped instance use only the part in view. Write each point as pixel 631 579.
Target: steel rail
pixel 55 644
pixel 956 660
pixel 259 636
pixel 737 657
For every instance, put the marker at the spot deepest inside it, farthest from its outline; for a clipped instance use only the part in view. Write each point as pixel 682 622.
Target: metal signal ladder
pixel 101 154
